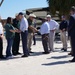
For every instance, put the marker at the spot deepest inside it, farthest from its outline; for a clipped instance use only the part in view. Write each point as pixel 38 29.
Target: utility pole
pixel 1 2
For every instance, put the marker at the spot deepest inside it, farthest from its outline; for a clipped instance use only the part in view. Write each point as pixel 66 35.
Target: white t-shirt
pixel 45 28
pixel 1 29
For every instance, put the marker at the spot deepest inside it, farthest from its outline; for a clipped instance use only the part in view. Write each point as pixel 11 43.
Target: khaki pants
pixel 51 40
pixel 30 38
pixel 64 39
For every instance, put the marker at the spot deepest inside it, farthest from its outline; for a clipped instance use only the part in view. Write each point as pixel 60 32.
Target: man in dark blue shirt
pixel 16 42
pixel 63 29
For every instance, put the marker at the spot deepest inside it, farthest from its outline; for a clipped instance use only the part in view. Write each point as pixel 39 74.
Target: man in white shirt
pixel 53 26
pixel 24 33
pixel 45 29
pixel 1 42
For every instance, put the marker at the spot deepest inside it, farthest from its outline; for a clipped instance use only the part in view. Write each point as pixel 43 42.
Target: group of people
pixel 13 29
pixel 48 32
pixel 25 27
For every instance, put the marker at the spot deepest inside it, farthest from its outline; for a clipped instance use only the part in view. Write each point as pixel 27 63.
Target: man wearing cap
pixel 24 33
pixel 71 31
pixel 53 26
pixel 63 28
pixel 16 42
pixel 31 31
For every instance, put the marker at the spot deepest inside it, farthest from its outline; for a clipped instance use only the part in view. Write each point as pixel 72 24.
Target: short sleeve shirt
pixel 30 23
pixel 9 34
pixel 16 23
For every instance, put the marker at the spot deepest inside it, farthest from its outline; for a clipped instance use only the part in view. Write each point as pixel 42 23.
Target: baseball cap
pixel 20 13
pixel 49 16
pixel 73 8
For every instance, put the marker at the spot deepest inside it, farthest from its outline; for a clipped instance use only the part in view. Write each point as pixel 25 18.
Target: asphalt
pixel 55 63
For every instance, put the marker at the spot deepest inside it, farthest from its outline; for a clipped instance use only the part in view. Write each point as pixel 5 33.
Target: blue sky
pixel 10 7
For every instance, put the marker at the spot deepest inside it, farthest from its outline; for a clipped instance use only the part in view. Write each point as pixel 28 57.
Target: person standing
pixel 34 39
pixel 10 34
pixel 63 28
pixel 71 31
pixel 16 42
pixel 24 33
pixel 53 26
pixel 45 30
pixel 1 42
pixel 34 35
pixel 31 31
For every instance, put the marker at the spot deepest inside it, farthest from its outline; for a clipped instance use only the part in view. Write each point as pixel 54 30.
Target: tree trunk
pixel 1 2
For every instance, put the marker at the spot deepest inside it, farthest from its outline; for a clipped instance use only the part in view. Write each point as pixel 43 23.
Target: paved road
pixel 55 63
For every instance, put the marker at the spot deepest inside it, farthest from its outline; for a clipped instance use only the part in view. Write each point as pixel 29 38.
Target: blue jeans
pixel 24 42
pixel 9 45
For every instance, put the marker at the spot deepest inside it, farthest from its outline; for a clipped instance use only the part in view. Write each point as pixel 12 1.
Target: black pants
pixel 45 42
pixel 73 45
pixel 16 42
pixel 1 47
pixel 34 39
pixel 24 42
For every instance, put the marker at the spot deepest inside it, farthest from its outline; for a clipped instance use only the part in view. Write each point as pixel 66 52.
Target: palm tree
pixel 62 6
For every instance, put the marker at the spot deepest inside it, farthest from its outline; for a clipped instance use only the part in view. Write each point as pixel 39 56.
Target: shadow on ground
pixel 55 63
pixel 36 54
pixel 12 58
pixel 59 57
